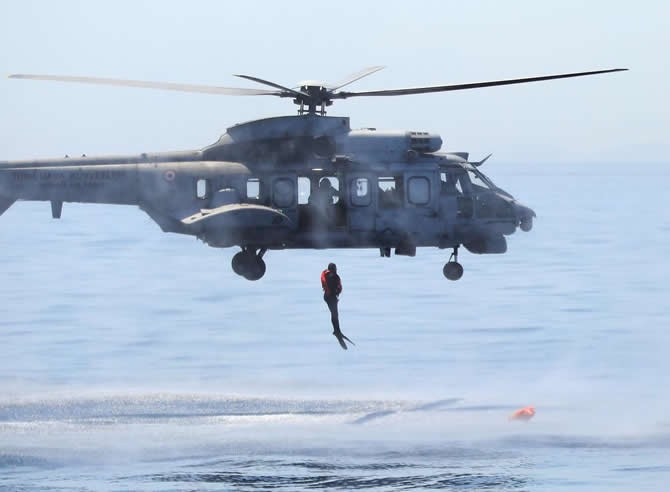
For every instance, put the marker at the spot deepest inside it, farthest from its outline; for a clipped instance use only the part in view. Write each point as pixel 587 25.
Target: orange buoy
pixel 524 414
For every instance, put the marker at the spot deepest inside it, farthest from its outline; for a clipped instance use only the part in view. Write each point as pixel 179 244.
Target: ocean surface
pixel 134 360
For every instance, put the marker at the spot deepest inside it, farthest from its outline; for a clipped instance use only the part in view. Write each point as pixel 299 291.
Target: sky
pixel 621 117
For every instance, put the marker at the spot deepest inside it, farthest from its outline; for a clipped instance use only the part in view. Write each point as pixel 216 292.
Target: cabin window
pixel 360 192
pixel 201 189
pixel 283 192
pixel 253 189
pixel 390 192
pixel 418 190
pixel 303 190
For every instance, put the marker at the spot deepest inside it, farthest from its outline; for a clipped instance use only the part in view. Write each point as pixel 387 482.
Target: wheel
pixel 240 262
pixel 255 269
pixel 453 270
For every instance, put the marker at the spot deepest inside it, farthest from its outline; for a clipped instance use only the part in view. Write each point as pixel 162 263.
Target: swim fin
pixel 347 339
pixel 341 337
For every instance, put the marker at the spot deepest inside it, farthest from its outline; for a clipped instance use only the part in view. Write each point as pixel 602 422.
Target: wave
pixel 163 406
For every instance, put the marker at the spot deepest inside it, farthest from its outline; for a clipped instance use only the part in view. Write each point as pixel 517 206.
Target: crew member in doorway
pixel 322 202
pixel 332 288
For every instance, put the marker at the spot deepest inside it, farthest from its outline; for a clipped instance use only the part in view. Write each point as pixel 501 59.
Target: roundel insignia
pixel 169 175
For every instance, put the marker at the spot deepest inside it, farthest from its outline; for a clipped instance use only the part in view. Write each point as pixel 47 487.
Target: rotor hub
pixel 313 94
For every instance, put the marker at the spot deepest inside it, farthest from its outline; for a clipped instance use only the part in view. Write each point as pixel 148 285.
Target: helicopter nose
pixel 525 216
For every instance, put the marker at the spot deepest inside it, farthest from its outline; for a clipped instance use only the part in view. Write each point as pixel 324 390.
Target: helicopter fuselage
pixel 292 182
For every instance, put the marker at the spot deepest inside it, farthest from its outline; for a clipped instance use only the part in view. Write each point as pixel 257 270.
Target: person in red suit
pixel 332 288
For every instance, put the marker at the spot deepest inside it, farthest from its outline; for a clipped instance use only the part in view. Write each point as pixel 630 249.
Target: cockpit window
pixel 450 183
pixel 478 179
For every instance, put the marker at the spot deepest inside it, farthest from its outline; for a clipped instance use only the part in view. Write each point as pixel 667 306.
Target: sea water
pixel 136 360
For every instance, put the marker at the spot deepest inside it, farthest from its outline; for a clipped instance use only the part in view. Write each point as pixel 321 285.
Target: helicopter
pixel 294 182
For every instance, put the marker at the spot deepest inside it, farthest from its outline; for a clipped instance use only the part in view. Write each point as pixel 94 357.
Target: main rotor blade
pixel 290 92
pixel 204 89
pixel 475 85
pixel 354 77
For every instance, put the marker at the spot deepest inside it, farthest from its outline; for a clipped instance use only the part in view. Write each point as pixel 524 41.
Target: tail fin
pixel 5 203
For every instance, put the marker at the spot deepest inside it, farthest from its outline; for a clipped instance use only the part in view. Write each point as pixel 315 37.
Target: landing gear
pixel 453 270
pixel 249 264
